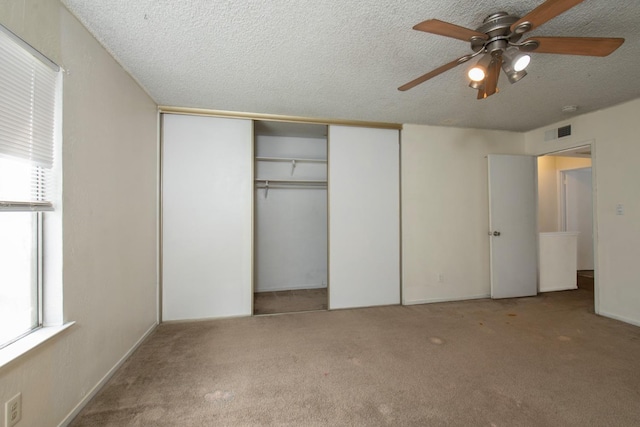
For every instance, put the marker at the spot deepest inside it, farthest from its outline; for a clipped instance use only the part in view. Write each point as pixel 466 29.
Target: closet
pixel 290 217
pixel 255 207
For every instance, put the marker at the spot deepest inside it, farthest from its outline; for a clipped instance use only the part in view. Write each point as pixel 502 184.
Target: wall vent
pixel 564 131
pixel 560 132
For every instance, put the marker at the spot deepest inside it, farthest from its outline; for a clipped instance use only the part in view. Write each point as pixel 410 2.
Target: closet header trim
pixel 276 117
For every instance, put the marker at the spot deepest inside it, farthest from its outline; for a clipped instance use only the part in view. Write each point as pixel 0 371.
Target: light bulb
pixel 476 74
pixel 479 71
pixel 521 62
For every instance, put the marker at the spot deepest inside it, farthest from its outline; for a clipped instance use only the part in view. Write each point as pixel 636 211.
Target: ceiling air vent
pixel 560 132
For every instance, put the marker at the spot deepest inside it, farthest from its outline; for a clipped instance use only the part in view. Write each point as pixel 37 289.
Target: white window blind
pixel 28 91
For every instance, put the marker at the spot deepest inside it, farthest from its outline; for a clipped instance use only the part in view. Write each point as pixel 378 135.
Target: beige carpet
pixel 289 301
pixel 541 361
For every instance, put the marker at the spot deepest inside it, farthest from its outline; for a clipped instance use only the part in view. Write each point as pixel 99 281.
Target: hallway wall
pixel 614 132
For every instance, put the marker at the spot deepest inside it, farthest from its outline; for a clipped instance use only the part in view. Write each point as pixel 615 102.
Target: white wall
pixel 109 220
pixel 290 223
pixel 615 160
pixel 445 211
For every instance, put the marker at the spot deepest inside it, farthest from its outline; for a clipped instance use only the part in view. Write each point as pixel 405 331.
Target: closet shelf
pixel 290 159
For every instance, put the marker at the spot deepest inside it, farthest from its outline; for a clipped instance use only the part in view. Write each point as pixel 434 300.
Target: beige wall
pixel 547 194
pixel 109 220
pixel 568 163
pixel 445 210
pixel 614 135
pixel 548 197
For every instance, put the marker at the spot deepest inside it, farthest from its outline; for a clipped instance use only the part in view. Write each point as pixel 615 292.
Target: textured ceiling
pixel 340 59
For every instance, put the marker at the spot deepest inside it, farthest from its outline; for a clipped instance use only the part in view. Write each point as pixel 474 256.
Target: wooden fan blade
pixel 588 46
pixel 481 93
pixel 493 72
pixel 447 29
pixel 543 13
pixel 431 74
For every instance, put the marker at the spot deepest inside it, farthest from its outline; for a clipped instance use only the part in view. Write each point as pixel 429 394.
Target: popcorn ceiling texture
pixel 345 60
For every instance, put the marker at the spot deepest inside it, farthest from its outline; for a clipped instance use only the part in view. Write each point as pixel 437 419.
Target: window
pixel 29 104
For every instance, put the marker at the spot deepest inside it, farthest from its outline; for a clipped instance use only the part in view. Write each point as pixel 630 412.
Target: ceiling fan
pixel 497 43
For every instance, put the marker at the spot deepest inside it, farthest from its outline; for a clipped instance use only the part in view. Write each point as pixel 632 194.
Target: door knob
pixel 495 233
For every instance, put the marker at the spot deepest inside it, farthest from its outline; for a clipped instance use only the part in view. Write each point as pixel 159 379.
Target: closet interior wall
pixel 290 200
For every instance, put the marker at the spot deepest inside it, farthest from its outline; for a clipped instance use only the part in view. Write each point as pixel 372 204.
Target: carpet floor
pixel 289 301
pixel 539 361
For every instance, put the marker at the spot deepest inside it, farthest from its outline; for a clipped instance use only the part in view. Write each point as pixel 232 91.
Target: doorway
pixel 577 216
pixel 290 218
pixel 565 211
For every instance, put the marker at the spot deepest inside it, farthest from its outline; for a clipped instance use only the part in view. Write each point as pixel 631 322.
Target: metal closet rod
pixel 291 181
pixel 290 159
pixel 299 182
pixel 266 184
pixel 303 186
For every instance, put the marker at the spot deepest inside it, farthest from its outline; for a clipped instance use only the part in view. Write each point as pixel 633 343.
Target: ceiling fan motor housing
pixel 497 28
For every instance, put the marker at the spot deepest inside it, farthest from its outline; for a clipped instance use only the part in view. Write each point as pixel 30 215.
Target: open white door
pixel 512 226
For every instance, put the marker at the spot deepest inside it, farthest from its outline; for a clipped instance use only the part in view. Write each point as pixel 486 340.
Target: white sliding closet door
pixel 364 217
pixel 207 191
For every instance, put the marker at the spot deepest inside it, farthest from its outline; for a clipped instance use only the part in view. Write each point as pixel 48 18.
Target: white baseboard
pixel 207 319
pixel 561 288
pixel 633 322
pixel 75 411
pixel 432 300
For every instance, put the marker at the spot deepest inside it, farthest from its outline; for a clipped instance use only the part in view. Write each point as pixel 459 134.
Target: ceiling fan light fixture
pixel 514 64
pixel 521 62
pixel 479 71
pixel 515 76
pixel 517 60
pixel 476 85
pixel 498 40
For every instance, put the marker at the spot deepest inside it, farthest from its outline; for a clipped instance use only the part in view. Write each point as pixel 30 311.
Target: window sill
pixel 29 342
